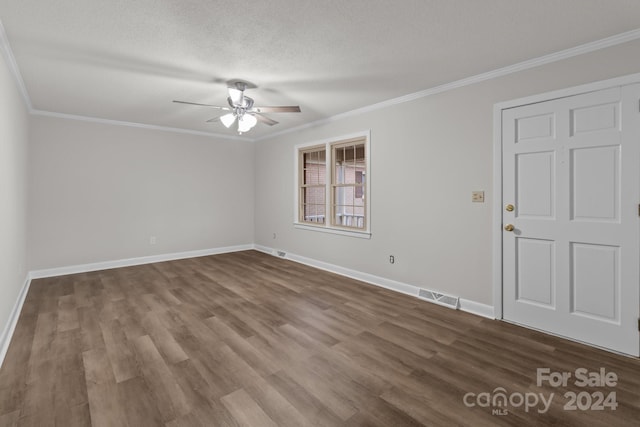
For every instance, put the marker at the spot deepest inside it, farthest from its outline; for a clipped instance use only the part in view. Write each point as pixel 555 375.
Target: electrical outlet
pixel 477 196
pixel 392 259
pixel 153 240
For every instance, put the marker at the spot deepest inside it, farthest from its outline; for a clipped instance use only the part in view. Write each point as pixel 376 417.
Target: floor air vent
pixel 442 299
pixel 281 254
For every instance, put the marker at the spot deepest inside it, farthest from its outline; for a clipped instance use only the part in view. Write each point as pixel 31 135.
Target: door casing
pixel 497 167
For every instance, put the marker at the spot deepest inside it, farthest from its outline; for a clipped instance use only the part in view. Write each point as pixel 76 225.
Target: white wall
pixel 98 192
pixel 14 139
pixel 427 157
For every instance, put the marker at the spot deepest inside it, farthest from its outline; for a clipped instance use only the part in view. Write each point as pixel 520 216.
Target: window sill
pixel 331 230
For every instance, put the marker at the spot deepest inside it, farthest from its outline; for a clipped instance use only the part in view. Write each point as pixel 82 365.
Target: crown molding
pixel 500 72
pixel 617 39
pixel 7 53
pixel 136 125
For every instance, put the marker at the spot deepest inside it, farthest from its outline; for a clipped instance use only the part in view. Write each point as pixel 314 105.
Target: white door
pixel 571 171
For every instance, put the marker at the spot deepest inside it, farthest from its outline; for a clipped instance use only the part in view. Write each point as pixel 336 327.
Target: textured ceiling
pixel 126 60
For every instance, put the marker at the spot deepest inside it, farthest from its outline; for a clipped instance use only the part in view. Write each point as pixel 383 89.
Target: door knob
pixel 509 227
pixel 509 208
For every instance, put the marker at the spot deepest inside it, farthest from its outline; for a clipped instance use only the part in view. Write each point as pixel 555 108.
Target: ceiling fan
pixel 242 109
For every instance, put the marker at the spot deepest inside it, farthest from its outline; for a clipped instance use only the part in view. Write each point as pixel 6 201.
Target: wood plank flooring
pixel 247 339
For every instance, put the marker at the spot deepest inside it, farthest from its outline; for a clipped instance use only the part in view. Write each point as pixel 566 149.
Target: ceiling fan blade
pixel 215 119
pixel 282 109
pixel 264 119
pixel 202 105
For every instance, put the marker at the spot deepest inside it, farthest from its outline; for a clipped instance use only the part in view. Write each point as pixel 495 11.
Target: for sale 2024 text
pixel 582 377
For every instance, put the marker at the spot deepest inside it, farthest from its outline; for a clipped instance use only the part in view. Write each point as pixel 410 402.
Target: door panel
pixel 595 281
pixel 535 127
pixel 595 118
pixel 571 167
pixel 535 188
pixel 536 272
pixel 595 183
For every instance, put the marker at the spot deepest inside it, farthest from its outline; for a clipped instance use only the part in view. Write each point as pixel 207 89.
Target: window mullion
pixel 329 178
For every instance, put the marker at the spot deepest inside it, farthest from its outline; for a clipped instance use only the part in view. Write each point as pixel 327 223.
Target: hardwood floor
pixel 246 339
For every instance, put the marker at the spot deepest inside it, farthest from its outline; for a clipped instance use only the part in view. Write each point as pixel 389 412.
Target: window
pixel 332 190
pixel 348 161
pixel 313 188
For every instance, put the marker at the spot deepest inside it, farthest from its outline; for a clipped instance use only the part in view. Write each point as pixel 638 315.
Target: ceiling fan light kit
pixel 228 119
pixel 246 122
pixel 241 108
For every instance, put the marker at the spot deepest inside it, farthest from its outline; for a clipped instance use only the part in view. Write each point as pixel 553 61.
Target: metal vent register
pixel 442 299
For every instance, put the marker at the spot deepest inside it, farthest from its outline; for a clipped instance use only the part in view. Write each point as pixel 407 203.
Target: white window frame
pixel 327 227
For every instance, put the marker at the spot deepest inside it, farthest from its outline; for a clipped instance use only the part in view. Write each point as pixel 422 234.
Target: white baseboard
pixel 10 327
pixel 466 305
pixel 265 249
pixel 469 306
pixel 477 308
pixel 106 265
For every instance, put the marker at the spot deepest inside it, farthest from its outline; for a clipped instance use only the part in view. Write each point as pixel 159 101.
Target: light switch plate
pixel 477 196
